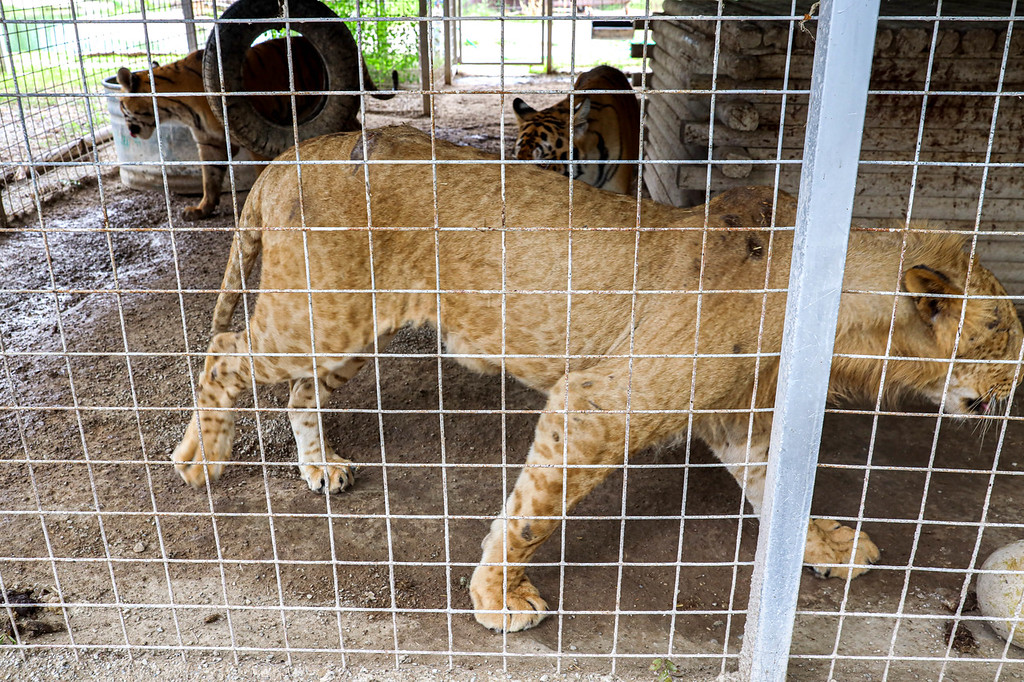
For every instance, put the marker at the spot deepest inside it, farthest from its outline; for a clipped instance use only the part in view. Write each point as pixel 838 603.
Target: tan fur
pixel 266 67
pixel 628 352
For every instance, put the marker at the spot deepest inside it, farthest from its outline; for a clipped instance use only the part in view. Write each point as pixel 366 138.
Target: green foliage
pixel 386 45
pixel 34 36
pixel 63 76
pixel 663 669
pixel 128 6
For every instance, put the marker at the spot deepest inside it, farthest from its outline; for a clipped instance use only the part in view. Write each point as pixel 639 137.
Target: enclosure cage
pixel 900 117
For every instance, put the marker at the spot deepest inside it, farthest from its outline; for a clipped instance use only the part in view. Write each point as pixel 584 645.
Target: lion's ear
pixel 927 284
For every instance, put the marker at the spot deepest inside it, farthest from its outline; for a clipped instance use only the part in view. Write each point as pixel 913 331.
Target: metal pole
pixel 425 74
pixel 447 42
pixel 190 25
pixel 549 9
pixel 835 122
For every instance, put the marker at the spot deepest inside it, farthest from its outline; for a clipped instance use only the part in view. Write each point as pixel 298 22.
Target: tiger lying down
pixel 625 352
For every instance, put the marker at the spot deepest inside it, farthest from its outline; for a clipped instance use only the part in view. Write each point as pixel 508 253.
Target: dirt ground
pixel 258 578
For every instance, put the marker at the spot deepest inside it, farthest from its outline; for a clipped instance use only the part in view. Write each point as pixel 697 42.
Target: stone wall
pixel 760 94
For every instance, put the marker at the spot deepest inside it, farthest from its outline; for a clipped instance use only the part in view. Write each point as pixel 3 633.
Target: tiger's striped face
pixel 544 135
pixel 137 111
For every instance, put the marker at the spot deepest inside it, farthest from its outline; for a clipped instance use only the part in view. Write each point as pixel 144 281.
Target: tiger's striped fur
pixel 606 127
pixel 265 69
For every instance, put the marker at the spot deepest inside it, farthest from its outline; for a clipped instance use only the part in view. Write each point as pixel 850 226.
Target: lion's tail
pixel 245 249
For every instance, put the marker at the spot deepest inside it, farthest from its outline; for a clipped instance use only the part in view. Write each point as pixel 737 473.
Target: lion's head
pixel 986 346
pixel 955 335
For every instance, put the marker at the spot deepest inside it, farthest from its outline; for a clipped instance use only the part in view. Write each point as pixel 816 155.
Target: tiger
pixel 606 127
pixel 265 68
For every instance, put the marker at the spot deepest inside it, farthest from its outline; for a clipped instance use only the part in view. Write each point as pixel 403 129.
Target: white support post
pixel 835 122
pixel 190 25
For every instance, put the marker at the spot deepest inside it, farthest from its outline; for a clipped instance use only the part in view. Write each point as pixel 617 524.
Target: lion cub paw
pixel 830 542
pixel 523 601
pixel 334 477
pixel 188 458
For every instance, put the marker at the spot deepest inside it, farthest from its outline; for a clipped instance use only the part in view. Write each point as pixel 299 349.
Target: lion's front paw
pixel 524 605
pixel 335 477
pixel 830 542
pixel 188 456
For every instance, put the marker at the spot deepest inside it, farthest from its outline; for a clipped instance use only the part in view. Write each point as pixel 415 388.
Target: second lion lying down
pixel 636 324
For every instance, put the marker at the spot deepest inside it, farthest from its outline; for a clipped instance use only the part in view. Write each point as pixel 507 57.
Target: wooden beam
pixel 425 72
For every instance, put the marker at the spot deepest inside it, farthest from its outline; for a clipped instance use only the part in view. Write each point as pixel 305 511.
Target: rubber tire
pixel 248 127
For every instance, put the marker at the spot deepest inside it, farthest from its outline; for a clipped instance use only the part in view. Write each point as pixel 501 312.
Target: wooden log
pixel 658 85
pixel 1016 43
pixel 684 106
pixel 72 150
pixel 1008 250
pixel 736 114
pixel 893 73
pixel 659 180
pixel 701 80
pixel 977 42
pixel 881 137
pixel 11 174
pixel 697 50
pixel 883 39
pixel 660 107
pixel 730 111
pixel 896 73
pixel 804 37
pixel 662 148
pixel 694 177
pixel 947 73
pixel 667 132
pixel 944 111
pixel 665 59
pixel 735 35
pixel 956 208
pixel 663 184
pixel 690 8
pixel 697 133
pixel 952 158
pixel 735 171
pixel 775 34
pixel 911 41
pixel 899 159
pixel 949 41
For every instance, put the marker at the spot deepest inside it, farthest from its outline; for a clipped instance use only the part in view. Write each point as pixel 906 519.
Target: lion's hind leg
pixel 207 440
pixel 830 549
pixel 321 468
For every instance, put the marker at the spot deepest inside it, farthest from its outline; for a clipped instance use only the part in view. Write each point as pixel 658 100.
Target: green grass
pixel 386 45
pixel 63 77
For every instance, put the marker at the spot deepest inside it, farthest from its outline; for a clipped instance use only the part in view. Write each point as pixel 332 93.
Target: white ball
pixel 1001 594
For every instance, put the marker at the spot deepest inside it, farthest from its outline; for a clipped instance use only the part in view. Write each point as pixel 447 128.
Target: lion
pixel 644 327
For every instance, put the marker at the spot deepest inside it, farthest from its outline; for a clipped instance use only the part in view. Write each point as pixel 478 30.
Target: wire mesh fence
pixel 541 287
